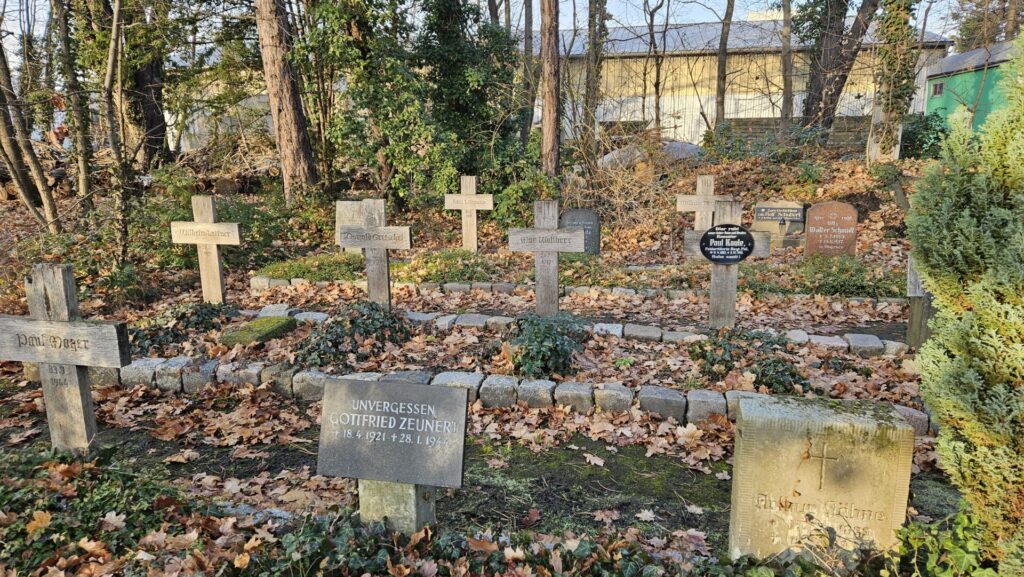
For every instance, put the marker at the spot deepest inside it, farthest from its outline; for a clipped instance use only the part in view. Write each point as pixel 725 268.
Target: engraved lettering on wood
pixel 63 346
pixel 385 237
pixel 545 241
pixel 375 239
pixel 207 234
pixel 347 213
pixel 468 201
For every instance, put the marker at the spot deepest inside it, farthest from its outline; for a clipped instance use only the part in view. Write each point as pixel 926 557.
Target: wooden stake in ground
pixel 206 233
pixel 702 203
pixel 545 241
pixel 726 245
pixel 921 309
pixel 64 346
pixel 376 239
pixel 468 202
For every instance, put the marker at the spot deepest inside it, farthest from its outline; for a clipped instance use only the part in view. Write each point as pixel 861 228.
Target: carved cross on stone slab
pixel 702 203
pixel 545 241
pixel 206 233
pixel 63 345
pixel 376 239
pixel 469 202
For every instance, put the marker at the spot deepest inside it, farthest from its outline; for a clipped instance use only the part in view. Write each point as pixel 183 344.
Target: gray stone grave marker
pixel 831 229
pixel 347 213
pixel 545 241
pixel 64 346
pixel 468 201
pixel 781 219
pixel 207 234
pixel 805 466
pixel 376 239
pixel 400 440
pixel 588 220
pixel 702 203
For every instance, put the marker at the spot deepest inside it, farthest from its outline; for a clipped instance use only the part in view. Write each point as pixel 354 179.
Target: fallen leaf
pixel 112 521
pixel 593 460
pixel 646 515
pixel 241 561
pixel 40 521
pixel 482 545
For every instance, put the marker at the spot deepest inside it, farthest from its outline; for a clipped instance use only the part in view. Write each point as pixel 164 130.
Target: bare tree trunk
pixel 529 76
pixel 655 54
pixel 723 63
pixel 787 65
pixel 493 11
pixel 297 166
pixel 119 184
pixel 835 82
pixel 148 92
pixel 551 120
pixel 15 164
pixel 508 16
pixel 597 31
pixel 24 142
pixel 1012 19
pixel 79 117
pixel 823 64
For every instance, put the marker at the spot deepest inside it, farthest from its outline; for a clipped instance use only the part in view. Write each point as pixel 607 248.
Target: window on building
pixel 937 88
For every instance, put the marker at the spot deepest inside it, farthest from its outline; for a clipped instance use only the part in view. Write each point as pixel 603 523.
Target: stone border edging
pixel 260 283
pixel 189 375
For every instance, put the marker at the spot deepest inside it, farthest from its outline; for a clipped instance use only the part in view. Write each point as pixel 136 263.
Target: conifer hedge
pixel 966 228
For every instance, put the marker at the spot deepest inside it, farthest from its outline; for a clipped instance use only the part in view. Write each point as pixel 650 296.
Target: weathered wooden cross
pixel 206 233
pixel 545 241
pixel 702 203
pixel 347 213
pixel 724 277
pixel 468 202
pixel 63 345
pixel 376 239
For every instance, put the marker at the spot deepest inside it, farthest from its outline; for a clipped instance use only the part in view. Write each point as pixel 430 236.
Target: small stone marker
pixel 590 222
pixel 546 240
pixel 64 346
pixel 834 465
pixel 206 233
pixel 702 203
pixel 780 218
pixel 376 239
pixel 725 245
pixel 347 213
pixel 468 202
pixel 400 440
pixel 831 229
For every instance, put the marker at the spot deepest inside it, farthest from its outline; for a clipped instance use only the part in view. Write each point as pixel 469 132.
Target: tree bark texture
pixel 297 166
pixel 121 176
pixel 823 64
pixel 529 74
pixel 721 76
pixel 597 31
pixel 551 120
pixel 79 117
pixel 787 64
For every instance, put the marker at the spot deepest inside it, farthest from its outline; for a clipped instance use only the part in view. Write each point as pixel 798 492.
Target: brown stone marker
pixel 206 233
pixel 347 213
pixel 376 239
pixel 64 346
pixel 469 202
pixel 702 203
pixel 545 241
pixel 804 467
pixel 831 229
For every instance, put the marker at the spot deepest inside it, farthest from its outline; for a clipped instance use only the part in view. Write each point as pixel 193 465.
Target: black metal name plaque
pixel 402 433
pixel 726 244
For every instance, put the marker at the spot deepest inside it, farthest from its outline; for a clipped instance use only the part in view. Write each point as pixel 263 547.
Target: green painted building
pixel 969 80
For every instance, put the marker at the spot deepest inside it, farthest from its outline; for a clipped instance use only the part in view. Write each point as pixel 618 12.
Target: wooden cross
pixel 468 202
pixel 63 345
pixel 545 241
pixel 347 213
pixel 376 239
pixel 206 233
pixel 823 457
pixel 702 203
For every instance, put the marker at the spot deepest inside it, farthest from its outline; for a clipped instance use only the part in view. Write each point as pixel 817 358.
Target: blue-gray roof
pixel 744 36
pixel 973 59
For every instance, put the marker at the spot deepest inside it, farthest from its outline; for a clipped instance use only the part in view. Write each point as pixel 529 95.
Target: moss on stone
pixel 260 330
